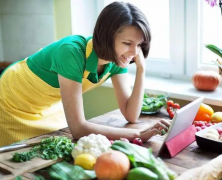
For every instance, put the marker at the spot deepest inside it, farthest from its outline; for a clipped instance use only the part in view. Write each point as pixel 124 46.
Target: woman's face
pixel 127 44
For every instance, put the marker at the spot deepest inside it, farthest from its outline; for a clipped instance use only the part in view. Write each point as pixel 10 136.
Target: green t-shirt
pixel 67 57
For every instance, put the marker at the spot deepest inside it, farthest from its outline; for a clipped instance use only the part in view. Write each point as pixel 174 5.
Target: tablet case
pixel 179 142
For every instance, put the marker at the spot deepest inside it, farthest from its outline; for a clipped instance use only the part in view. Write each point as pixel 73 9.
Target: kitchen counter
pixel 191 157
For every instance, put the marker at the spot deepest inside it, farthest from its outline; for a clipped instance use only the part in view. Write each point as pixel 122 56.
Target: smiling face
pixel 127 44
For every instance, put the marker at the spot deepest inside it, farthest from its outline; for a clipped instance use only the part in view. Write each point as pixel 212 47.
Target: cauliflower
pixel 92 144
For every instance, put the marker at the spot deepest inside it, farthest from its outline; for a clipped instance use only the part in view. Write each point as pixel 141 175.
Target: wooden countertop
pixel 191 157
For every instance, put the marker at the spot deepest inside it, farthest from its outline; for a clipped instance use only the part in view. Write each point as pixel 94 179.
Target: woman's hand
pixel 140 60
pixel 160 128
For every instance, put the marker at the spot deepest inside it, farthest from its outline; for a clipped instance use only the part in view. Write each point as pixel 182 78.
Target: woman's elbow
pixel 131 120
pixel 79 132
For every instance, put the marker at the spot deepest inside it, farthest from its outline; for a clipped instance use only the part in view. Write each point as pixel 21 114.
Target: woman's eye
pixel 126 43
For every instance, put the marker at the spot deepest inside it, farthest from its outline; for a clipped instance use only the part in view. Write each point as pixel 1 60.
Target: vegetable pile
pixel 53 148
pixel 99 159
pixel 206 117
pixel 199 125
pixel 121 160
pixel 153 104
pixel 143 157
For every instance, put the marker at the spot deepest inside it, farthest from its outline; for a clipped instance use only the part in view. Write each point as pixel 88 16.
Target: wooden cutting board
pixel 9 169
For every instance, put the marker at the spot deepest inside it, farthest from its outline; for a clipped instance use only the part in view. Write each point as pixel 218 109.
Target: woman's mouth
pixel 127 59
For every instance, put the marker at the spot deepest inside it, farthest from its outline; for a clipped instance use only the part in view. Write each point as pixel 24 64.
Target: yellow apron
pixel 28 110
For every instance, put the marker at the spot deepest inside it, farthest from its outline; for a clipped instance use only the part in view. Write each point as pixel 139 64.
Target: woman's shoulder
pixel 76 40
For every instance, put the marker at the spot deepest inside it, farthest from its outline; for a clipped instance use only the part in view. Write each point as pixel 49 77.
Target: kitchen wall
pixel 26 26
pixel 1 47
pixel 102 100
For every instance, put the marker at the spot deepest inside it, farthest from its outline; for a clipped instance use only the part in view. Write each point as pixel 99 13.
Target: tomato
pixel 202 117
pixel 176 106
pixel 198 128
pixel 203 127
pixel 138 141
pixel 199 123
pixel 168 109
pixel 219 129
pixel 171 114
pixel 170 103
pixel 209 124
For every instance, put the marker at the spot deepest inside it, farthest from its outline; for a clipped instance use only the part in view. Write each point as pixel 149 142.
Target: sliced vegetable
pixel 53 147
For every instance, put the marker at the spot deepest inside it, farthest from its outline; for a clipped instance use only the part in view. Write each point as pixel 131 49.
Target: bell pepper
pixel 204 113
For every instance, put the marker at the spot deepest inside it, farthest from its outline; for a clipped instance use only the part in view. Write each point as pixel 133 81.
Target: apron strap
pixel 89 48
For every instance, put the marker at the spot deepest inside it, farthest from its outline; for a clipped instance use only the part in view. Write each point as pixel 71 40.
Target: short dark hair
pixel 113 18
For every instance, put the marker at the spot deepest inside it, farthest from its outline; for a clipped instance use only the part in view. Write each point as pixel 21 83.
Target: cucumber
pixel 141 173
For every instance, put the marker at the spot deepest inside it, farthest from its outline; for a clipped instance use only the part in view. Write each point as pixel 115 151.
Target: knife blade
pixel 13 147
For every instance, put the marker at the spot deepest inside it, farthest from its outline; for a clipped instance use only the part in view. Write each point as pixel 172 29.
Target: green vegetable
pixel 142 157
pixel 163 131
pixel 172 175
pixel 35 178
pixel 141 173
pixel 66 171
pixel 153 104
pixel 53 148
pixel 18 178
pixel 145 96
pixel 23 156
pixel 214 49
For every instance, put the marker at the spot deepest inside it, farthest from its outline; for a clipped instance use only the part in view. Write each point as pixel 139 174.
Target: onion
pixel 112 165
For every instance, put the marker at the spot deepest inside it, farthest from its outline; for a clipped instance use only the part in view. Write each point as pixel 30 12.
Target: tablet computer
pixel 183 119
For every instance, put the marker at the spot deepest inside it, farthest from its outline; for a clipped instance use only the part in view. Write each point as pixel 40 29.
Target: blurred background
pixel 180 29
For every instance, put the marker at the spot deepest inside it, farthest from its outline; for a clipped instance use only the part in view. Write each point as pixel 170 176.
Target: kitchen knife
pixel 13 147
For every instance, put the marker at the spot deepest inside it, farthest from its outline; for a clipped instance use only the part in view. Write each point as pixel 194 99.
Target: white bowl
pixel 209 144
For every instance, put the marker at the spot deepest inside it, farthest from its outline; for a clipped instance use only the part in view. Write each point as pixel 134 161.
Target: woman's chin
pixel 123 65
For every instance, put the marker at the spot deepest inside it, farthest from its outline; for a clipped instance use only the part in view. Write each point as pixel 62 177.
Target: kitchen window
pixel 180 28
pixel 167 46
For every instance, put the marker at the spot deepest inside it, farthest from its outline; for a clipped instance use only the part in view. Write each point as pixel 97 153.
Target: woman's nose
pixel 134 50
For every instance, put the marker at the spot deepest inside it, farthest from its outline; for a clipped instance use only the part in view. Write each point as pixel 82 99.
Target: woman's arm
pixel 130 103
pixel 71 93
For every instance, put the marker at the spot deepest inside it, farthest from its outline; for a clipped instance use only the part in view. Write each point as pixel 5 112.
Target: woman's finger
pixel 161 126
pixel 165 122
pixel 156 131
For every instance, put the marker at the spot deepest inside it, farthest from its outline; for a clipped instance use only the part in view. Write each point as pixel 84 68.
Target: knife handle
pixel 12 147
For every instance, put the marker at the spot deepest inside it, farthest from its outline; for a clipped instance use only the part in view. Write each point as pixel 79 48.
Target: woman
pixel 63 70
